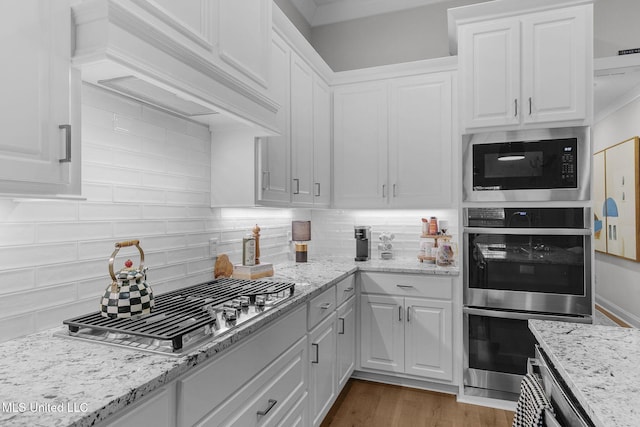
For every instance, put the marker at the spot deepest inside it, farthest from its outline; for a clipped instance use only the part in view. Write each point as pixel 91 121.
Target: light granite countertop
pixel 601 366
pixel 47 380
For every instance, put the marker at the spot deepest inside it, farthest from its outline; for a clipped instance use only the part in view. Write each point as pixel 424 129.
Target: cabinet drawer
pixel 418 285
pixel 267 398
pixel 211 385
pixel 321 306
pixel 346 288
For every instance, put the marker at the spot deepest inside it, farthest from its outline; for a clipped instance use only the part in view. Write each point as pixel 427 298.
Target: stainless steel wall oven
pixel 520 264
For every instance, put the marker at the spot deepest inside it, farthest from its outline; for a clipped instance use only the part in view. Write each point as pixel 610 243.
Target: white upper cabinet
pixel 274 152
pixel 527 70
pixel 360 133
pixel 302 115
pixel 321 143
pixel 244 29
pixel 420 141
pixel 40 148
pixel 392 142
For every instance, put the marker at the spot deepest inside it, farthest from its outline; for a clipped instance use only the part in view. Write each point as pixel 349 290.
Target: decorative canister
pixel 128 295
pixel 446 254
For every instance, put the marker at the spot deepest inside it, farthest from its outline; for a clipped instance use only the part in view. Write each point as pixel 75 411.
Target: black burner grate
pixel 180 312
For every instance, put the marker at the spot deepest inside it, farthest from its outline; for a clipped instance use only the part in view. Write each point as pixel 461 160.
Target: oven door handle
pixel 516 315
pixel 529 231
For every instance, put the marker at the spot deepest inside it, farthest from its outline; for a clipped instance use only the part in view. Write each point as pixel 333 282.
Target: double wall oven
pixel 524 258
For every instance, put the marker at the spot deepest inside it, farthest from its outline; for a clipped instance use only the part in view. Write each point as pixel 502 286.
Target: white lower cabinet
pixel 346 341
pixel 407 333
pixel 257 383
pixel 322 369
pixel 156 410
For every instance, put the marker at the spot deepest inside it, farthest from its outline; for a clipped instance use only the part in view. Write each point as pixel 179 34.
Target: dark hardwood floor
pixel 369 404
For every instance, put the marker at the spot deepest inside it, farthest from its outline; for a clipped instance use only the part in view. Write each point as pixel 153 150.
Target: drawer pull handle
pixel 341 332
pixel 406 286
pixel 325 306
pixel 272 403
pixel 400 313
pixel 409 314
pixel 317 346
pixel 67 142
pixel 349 289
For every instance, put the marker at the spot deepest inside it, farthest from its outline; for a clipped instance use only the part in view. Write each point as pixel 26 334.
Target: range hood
pixel 124 47
pixel 144 91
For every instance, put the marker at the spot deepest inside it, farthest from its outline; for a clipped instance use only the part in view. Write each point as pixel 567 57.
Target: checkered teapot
pixel 128 294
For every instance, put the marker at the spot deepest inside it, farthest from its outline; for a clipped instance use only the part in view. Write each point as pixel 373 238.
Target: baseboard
pixel 618 313
pixel 405 382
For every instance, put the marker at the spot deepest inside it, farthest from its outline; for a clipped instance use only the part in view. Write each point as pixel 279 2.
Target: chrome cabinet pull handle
pixel 67 141
pixel 348 290
pixel 515 101
pixel 530 106
pixel 317 346
pixel 297 181
pixel 394 190
pixel 264 180
pixel 325 306
pixel 317 189
pixel 409 314
pixel 406 286
pixel 272 403
pixel 341 332
pixel 384 188
pixel 400 313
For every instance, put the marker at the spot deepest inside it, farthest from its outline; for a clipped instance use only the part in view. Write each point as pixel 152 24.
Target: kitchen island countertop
pixel 601 366
pixel 46 380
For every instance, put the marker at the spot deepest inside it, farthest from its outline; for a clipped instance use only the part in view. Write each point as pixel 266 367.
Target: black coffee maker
pixel 363 242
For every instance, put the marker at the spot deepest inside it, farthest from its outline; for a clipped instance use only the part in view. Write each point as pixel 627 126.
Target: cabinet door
pixel 346 330
pixel 490 73
pixel 158 409
pixel 429 338
pixel 322 371
pixel 244 30
pixel 554 65
pixel 275 151
pixel 321 143
pixel 36 93
pixel 420 141
pixel 301 132
pixel 360 145
pixel 382 332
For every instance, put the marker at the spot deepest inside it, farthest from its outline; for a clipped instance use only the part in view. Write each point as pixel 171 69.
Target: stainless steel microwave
pixel 527 165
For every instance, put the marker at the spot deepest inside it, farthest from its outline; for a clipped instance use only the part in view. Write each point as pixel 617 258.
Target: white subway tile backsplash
pixel 66 231
pixel 159 180
pixel 35 299
pixel 17 280
pixel 17 234
pixel 107 174
pixel 30 255
pixel 100 98
pixel 163 119
pixel 16 326
pixel 186 226
pixel 133 126
pixel 109 211
pixel 137 195
pixel 139 228
pixel 74 272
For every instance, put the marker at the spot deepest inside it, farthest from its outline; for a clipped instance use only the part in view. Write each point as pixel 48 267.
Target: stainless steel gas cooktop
pixel 185 318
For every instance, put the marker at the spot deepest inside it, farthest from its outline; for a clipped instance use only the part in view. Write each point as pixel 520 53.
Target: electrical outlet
pixel 213 247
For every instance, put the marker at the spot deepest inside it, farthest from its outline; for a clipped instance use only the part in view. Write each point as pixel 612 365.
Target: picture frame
pixel 616 204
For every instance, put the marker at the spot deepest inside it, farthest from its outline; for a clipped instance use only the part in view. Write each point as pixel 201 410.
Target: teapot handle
pixel 124 244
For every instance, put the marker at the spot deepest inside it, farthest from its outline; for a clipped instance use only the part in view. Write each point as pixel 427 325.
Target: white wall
pixel 146 175
pixel 403 36
pixel 618 280
pixel 615 26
